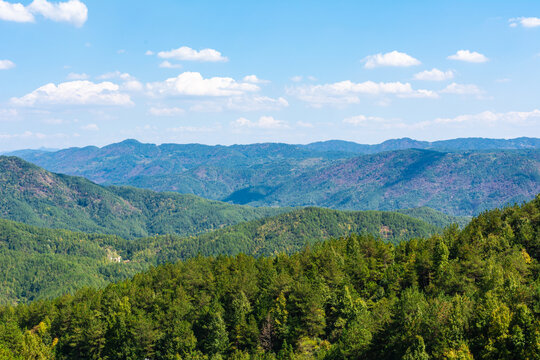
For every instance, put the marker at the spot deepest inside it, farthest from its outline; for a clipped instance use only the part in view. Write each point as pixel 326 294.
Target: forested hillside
pixel 461 295
pixel 38 263
pixel 460 183
pixel 459 177
pixel 34 196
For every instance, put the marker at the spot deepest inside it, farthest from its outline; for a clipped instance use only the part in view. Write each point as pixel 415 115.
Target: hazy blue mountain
pixel 282 174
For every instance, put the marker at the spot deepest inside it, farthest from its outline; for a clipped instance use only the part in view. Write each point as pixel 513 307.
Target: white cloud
pixel 463 89
pixel 116 75
pixel 525 118
pixel 468 56
pixel 167 65
pixel 80 92
pixel 75 76
pixel 90 127
pixel 296 78
pixel 72 11
pixel 393 58
pixel 189 54
pixel 130 82
pixel 434 75
pixel 363 120
pixel 132 85
pixel 348 92
pixel 15 12
pixel 6 64
pixel 254 79
pixel 264 122
pixel 163 111
pixel 149 52
pixel 193 84
pixel 528 22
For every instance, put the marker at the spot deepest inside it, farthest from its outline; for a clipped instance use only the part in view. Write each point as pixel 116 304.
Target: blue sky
pixel 84 72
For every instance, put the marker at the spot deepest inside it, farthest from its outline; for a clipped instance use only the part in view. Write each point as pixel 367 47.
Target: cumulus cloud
pixel 348 92
pixel 15 12
pixel 149 52
pixel 189 54
pixel 528 22
pixel 6 64
pixel 130 82
pixel 469 56
pixel 463 89
pixel 80 92
pixel 264 122
pixel 254 79
pixel 76 76
pixel 434 75
pixel 393 58
pixel 164 111
pixel 168 65
pixel 193 84
pixel 72 11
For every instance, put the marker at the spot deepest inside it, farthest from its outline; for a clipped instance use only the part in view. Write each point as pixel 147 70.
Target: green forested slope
pixel 42 263
pixel 435 217
pixel 461 295
pixel 457 183
pixel 290 232
pixel 35 196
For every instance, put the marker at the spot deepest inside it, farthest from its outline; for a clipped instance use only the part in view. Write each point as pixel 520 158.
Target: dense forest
pixel 463 294
pixel 39 263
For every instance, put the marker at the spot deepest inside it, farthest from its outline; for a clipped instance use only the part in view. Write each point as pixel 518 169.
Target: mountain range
pixel 460 176
pixel 35 196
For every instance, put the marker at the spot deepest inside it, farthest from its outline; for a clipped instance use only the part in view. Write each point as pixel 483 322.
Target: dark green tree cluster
pixel 470 294
pixel 38 263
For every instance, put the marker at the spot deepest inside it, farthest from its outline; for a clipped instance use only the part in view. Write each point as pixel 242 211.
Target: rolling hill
pixel 35 196
pixel 43 263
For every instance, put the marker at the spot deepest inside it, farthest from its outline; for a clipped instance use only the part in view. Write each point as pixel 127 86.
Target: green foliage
pixel 44 263
pixel 37 197
pixel 458 295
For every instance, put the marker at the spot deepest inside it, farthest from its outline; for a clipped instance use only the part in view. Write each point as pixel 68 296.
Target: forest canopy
pixel 463 294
